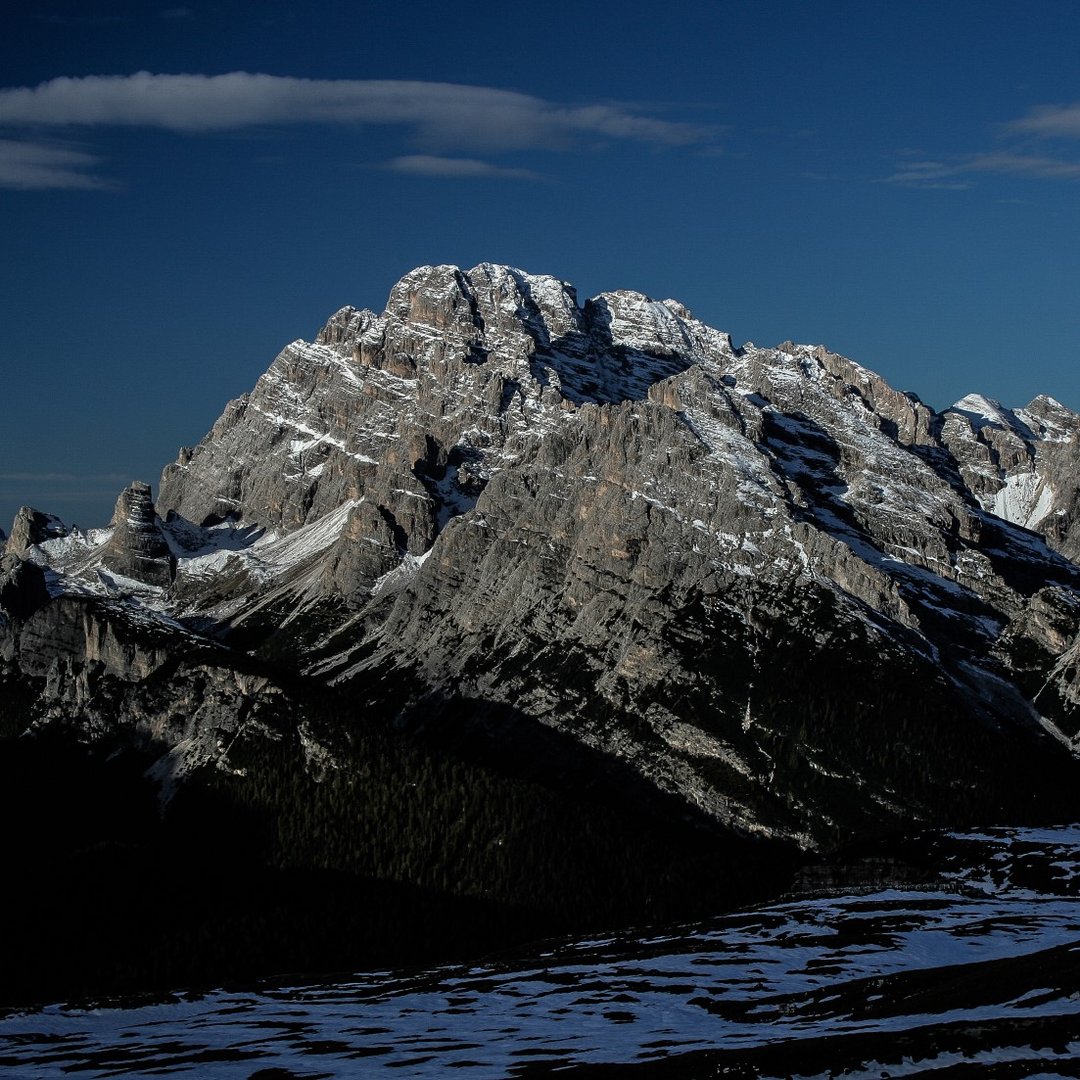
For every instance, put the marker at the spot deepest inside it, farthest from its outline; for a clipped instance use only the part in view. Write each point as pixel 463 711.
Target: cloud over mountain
pixel 440 115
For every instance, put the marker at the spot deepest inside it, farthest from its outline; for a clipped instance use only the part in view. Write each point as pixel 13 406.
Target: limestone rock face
pixel 99 669
pixel 22 587
pixel 70 634
pixel 1020 464
pixel 32 527
pixel 138 548
pixel 459 369
pixel 762 579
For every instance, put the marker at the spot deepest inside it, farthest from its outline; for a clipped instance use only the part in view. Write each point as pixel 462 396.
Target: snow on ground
pixel 790 974
pixel 264 554
pixel 982 410
pixel 1025 500
pixel 74 566
pixel 401 575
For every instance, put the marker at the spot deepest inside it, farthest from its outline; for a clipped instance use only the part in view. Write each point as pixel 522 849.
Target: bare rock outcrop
pixel 137 548
pixel 32 527
pixel 22 587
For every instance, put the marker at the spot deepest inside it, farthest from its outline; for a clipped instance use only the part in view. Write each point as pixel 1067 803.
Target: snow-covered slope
pixel 939 981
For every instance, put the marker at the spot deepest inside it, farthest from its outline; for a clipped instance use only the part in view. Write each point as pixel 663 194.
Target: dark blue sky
pixel 898 181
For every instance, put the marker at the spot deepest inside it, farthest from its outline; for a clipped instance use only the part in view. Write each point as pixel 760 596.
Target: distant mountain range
pixel 590 549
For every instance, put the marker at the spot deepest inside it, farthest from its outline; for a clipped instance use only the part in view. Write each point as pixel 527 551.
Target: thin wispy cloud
pixel 929 175
pixel 955 175
pixel 438 115
pixel 57 498
pixel 461 168
pixel 1041 126
pixel 62 478
pixel 1042 168
pixel 1049 121
pixel 58 490
pixel 34 166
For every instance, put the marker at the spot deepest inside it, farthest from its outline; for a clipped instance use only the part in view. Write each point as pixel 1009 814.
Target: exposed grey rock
pixel 1022 465
pixel 74 634
pixel 32 527
pixel 137 548
pixel 107 671
pixel 22 587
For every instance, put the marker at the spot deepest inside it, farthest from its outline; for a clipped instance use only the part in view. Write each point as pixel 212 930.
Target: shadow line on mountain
pixel 603 372
pixel 810 456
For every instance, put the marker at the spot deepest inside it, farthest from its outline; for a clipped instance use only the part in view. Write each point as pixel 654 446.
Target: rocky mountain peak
pixel 32 527
pixel 486 301
pixel 344 325
pixel 475 360
pixel 1050 419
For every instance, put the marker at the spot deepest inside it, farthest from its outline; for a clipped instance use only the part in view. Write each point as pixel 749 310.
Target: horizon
pixel 186 189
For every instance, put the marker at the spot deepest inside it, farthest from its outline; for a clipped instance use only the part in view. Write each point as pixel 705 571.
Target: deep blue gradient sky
pixel 898 181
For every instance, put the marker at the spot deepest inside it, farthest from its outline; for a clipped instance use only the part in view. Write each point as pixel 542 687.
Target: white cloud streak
pixel 927 175
pixel 1043 168
pixel 52 497
pixel 439 115
pixel 1042 124
pixel 63 478
pixel 950 175
pixel 1026 158
pixel 33 166
pixel 461 168
pixel 1049 121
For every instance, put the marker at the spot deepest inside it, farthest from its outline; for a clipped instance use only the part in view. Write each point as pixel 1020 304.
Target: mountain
pixel 592 548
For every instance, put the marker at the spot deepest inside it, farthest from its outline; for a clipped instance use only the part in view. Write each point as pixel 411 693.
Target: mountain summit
pixel 759 584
